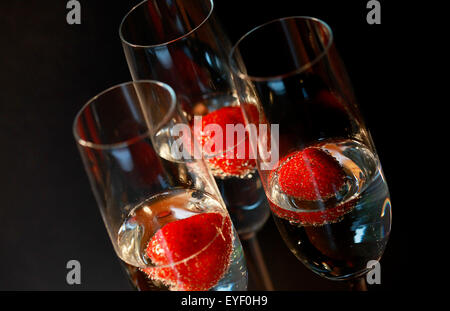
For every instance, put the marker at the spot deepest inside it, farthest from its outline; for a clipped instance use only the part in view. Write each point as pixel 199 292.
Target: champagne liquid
pixel 245 200
pixel 149 216
pixel 342 247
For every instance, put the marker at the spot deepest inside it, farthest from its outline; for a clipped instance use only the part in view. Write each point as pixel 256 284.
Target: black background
pixel 49 69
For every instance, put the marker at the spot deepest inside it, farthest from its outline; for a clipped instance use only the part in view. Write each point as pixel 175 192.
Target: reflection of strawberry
pixel 144 165
pixel 329 99
pixel 316 217
pixel 192 253
pixel 311 177
pixel 311 174
pixel 223 161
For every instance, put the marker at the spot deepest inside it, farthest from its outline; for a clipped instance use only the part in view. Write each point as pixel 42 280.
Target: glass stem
pixel 255 259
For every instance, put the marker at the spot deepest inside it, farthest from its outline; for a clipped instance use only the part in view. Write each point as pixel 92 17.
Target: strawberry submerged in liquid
pixel 312 177
pixel 311 174
pixel 225 160
pixel 191 254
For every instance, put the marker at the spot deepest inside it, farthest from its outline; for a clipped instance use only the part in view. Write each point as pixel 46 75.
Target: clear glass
pixel 181 43
pixel 163 213
pixel 322 175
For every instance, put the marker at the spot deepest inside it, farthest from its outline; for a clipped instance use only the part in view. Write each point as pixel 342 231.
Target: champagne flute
pixel 322 176
pixel 163 213
pixel 181 43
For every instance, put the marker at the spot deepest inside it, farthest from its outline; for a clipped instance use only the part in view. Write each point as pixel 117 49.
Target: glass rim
pixel 187 34
pixel 127 142
pixel 298 70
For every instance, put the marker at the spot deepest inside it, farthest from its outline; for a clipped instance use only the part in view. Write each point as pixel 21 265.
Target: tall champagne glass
pixel 181 43
pixel 322 176
pixel 163 213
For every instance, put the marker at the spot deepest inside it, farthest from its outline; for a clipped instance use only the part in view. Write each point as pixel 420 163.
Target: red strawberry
pixel 312 177
pixel 192 253
pixel 253 115
pixel 311 174
pixel 222 162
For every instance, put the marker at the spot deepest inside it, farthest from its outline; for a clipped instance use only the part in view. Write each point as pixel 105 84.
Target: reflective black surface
pixel 50 69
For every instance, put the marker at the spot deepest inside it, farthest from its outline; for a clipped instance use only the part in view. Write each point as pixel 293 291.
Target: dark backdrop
pixel 48 70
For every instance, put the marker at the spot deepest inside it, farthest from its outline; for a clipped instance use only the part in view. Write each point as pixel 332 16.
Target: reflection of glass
pixel 166 219
pixel 181 43
pixel 327 192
